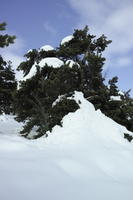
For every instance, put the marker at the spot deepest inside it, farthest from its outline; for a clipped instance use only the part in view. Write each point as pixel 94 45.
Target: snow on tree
pixel 76 65
pixel 66 39
pixel 46 48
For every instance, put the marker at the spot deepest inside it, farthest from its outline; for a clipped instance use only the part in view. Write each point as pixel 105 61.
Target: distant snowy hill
pixel 86 158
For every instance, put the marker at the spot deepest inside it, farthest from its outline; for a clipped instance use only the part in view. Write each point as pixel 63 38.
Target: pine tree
pixel 35 99
pixel 44 88
pixel 7 77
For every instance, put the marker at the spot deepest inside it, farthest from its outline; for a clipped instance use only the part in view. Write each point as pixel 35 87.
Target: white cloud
pixel 123 61
pixel 112 18
pixel 49 28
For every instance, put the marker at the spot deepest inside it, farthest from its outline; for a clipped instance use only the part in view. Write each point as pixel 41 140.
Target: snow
pixel 71 63
pixel 46 48
pixel 30 50
pixel 115 98
pixel 66 39
pixel 50 61
pixel 60 98
pixel 87 158
pixel 121 93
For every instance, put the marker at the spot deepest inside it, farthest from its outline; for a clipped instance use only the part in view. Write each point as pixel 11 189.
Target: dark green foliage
pixel 61 109
pixel 32 57
pixel 34 99
pixel 45 54
pixel 113 89
pixel 77 46
pixel 119 110
pixel 7 77
pixel 7 87
pixel 128 137
pixel 5 39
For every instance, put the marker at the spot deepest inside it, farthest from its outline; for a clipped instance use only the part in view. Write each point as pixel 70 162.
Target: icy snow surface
pixel 87 158
pixel 46 48
pixel 66 39
pixel 50 61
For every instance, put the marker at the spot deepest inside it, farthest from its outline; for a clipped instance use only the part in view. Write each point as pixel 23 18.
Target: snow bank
pixel 66 39
pixel 46 48
pixel 86 124
pixel 87 158
pixel 50 61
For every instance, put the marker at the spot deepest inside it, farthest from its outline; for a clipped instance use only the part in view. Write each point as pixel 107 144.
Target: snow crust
pixel 86 158
pixel 46 48
pixel 66 39
pixel 50 61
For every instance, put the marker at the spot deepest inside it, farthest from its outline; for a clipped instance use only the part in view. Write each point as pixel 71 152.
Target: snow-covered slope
pixel 87 158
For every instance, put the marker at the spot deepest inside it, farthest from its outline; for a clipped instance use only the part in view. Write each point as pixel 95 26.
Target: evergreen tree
pixel 34 99
pixel 36 96
pixel 7 77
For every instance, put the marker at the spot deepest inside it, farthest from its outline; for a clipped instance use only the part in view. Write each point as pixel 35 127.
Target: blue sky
pixel 40 22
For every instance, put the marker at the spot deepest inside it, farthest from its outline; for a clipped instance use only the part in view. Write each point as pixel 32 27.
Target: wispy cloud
pixel 49 28
pixel 113 18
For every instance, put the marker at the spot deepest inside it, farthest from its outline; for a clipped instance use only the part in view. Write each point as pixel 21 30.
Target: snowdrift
pixel 87 158
pixel 87 124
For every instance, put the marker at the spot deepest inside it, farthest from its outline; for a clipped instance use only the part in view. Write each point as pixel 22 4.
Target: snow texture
pixel 71 63
pixel 50 61
pixel 115 98
pixel 46 48
pixel 60 98
pixel 86 158
pixel 66 39
pixel 121 93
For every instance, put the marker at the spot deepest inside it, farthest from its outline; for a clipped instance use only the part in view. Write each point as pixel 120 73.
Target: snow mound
pixel 87 125
pixel 70 63
pixel 87 158
pixel 66 39
pixel 50 61
pixel 46 48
